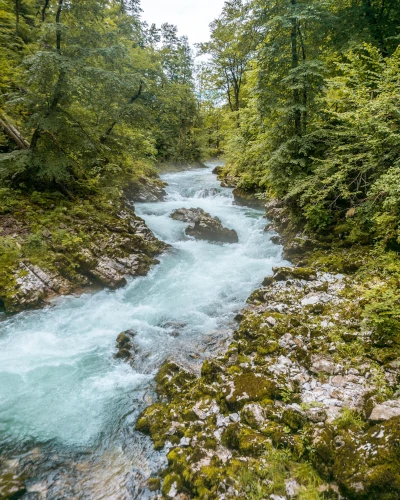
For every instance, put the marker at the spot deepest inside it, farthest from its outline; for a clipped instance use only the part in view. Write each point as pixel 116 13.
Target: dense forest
pixel 311 92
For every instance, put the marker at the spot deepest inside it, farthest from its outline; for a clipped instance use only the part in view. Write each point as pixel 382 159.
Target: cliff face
pixel 52 246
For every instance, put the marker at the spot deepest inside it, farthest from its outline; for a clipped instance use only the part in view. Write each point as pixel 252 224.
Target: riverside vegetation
pixel 302 98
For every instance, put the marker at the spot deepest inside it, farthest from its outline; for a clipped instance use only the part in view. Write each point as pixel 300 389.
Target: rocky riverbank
pixel 304 403
pixel 50 245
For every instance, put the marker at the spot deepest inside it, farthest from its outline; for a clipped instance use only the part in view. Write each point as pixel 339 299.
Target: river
pixel 67 407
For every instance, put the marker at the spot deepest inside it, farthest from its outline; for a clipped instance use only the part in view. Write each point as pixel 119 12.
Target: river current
pixel 67 407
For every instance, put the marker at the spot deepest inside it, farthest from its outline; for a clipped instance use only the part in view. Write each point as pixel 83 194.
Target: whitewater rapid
pixel 67 407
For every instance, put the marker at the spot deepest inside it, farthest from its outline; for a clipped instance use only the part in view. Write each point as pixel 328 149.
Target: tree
pixel 230 50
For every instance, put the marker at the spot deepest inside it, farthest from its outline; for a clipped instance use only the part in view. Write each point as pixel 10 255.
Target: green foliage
pixel 99 100
pixel 319 118
pixel 383 310
pixel 349 419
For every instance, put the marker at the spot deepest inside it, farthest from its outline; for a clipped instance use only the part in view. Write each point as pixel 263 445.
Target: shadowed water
pixel 67 407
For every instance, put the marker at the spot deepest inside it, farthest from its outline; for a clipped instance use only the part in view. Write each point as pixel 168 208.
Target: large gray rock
pixel 188 214
pixel 33 285
pixel 385 411
pixel 203 226
pixel 147 190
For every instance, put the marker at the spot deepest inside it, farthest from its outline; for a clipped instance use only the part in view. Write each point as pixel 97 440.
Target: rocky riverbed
pixel 304 403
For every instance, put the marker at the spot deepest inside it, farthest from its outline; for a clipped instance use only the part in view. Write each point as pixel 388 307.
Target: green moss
pixel 154 483
pixel 171 480
pixel 367 465
pixel 293 418
pixel 172 378
pixel 154 421
pixel 12 487
pixel 210 370
pixel 230 436
pixel 249 387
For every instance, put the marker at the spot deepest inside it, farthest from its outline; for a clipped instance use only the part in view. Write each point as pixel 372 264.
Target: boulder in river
pixel 125 346
pixel 203 226
pixel 247 198
pixel 187 214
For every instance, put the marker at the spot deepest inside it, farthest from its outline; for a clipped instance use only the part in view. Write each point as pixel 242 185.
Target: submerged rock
pixel 12 486
pixel 203 226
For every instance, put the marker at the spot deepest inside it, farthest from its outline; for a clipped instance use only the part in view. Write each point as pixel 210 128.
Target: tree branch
pixel 104 137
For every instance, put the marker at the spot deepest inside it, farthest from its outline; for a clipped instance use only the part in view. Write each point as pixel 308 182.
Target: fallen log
pixel 13 133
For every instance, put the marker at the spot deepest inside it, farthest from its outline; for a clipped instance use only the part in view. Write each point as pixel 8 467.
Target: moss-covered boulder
pixel 300 273
pixel 172 378
pixel 154 421
pixel 12 487
pixel 248 386
pixel 367 465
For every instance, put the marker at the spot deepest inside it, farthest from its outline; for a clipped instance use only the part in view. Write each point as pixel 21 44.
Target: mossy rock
pixel 247 387
pixel 300 273
pixel 12 487
pixel 172 484
pixel 251 442
pixel 368 465
pixel 269 347
pixel 210 370
pixel 172 378
pixel 294 418
pixel 154 421
pixel 154 483
pixel 206 481
pixel 230 436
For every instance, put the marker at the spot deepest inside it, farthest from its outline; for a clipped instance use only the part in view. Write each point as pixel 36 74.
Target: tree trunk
pixel 44 8
pixel 295 63
pixel 61 77
pixel 58 31
pixel 131 101
pixel 13 133
pixel 17 9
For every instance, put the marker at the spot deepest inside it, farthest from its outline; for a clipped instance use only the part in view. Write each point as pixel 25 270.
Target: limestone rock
pixel 385 411
pixel 33 285
pixel 148 190
pixel 322 364
pixel 187 214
